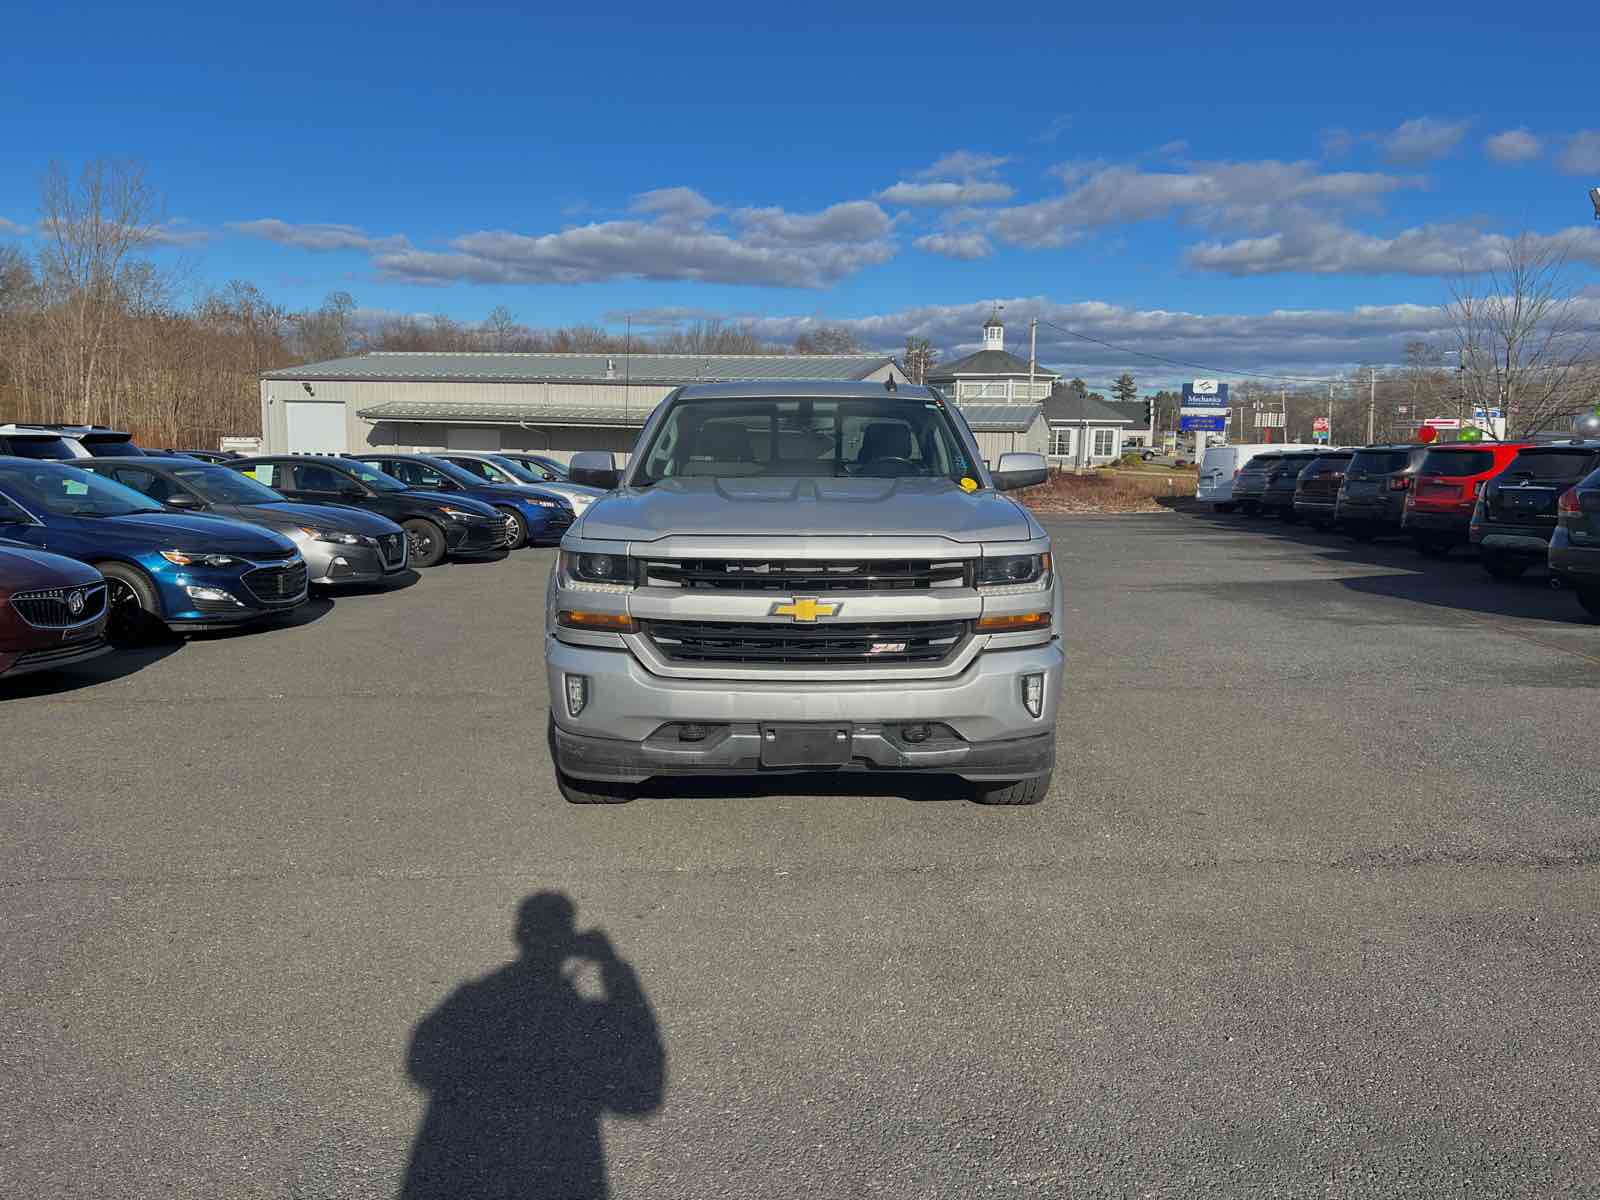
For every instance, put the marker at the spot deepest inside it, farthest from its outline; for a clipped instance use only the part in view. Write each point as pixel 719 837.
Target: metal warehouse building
pixel 555 403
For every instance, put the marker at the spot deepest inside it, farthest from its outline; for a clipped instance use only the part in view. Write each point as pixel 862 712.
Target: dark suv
pixel 1251 482
pixel 435 525
pixel 1575 544
pixel 1316 494
pixel 1283 476
pixel 1372 496
pixel 1516 510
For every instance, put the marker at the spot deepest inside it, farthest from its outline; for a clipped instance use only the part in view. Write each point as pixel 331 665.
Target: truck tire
pixel 586 791
pixel 1021 791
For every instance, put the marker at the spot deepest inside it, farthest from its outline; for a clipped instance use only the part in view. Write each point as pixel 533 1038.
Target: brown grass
pixel 1108 492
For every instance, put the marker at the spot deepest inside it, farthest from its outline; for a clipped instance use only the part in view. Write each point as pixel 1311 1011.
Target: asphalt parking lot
pixel 1311 911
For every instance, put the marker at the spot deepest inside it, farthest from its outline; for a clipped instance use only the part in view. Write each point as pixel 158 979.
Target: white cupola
pixel 994 332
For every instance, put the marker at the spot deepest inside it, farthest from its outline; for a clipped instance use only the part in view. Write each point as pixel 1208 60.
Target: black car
pixel 537 517
pixel 1283 476
pixel 1316 493
pixel 435 525
pixel 341 544
pixel 1251 482
pixel 1372 497
pixel 1575 543
pixel 1516 511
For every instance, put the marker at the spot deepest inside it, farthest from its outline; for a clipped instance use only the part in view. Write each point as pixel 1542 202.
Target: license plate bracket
pixel 813 747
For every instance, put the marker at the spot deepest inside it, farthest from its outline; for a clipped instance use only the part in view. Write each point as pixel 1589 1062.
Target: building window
pixel 1105 441
pixel 1060 443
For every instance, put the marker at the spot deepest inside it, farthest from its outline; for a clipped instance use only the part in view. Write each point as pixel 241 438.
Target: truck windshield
pixel 804 437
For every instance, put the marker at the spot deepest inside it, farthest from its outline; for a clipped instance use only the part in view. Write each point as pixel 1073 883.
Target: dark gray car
pixel 341 544
pixel 1575 544
pixel 1516 512
pixel 1372 497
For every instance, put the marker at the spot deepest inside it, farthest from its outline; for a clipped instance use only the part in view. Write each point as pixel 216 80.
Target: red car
pixel 1445 490
pixel 52 611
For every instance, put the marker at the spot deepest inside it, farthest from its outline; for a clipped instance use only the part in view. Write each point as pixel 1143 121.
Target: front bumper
pixel 330 564
pixel 480 537
pixel 621 733
pixel 47 657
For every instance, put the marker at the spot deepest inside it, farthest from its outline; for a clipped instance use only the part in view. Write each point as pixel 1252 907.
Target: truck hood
pixel 799 507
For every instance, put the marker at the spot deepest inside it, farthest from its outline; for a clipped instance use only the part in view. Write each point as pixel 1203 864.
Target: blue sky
pixel 1265 189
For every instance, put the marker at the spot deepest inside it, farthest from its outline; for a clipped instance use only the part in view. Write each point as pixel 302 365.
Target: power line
pixel 1178 362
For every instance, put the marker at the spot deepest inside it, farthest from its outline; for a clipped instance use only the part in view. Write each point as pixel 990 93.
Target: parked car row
pixel 1521 503
pixel 99 549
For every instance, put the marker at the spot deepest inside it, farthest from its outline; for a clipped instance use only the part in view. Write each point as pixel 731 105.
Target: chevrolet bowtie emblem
pixel 804 609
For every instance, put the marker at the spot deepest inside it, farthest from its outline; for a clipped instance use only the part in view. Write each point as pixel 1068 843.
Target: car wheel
pixel 133 608
pixel 586 791
pixel 425 541
pixel 1590 599
pixel 518 537
pixel 1500 567
pixel 1018 792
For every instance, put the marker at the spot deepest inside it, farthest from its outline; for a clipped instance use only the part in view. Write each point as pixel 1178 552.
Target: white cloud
pixel 1421 140
pixel 1329 248
pixel 1336 143
pixel 963 164
pixel 956 245
pixel 1513 146
pixel 1582 154
pixel 177 232
pixel 318 237
pixel 763 246
pixel 11 227
pixel 1223 193
pixel 1055 128
pixel 944 194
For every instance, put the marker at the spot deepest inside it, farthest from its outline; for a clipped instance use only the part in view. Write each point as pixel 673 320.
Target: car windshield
pixel 1378 462
pixel 218 485
pixel 543 469
pixel 1567 465
pixel 450 471
pixel 804 437
pixel 69 492
pixel 506 470
pixel 1457 462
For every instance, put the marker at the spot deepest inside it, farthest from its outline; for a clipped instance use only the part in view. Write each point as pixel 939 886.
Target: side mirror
pixel 351 491
pixel 595 468
pixel 1020 470
pixel 183 500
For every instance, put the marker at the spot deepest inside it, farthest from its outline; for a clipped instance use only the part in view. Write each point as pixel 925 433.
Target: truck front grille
pixel 808 575
pixel 813 645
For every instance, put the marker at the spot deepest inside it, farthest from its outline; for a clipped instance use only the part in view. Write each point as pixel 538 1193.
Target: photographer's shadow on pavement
pixel 520 1066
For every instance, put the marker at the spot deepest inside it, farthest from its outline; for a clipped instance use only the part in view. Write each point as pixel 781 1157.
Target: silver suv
pixel 798 576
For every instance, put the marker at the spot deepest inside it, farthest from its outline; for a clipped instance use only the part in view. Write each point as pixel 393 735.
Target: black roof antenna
pixel 888 384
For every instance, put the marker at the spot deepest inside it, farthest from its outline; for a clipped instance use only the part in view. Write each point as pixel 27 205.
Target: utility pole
pixel 1330 416
pixel 1372 400
pixel 1033 354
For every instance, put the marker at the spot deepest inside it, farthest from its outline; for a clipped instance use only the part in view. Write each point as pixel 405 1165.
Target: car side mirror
pixel 1019 469
pixel 595 468
pixel 183 500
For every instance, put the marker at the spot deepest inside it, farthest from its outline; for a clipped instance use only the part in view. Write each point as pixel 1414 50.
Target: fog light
pixel 212 594
pixel 577 693
pixel 691 733
pixel 1033 694
pixel 915 733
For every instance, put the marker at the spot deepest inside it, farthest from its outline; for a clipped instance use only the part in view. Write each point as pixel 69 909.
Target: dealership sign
pixel 1216 423
pixel 1205 394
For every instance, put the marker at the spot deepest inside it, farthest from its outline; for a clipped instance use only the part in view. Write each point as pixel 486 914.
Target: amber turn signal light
pixel 1014 622
pixel 599 622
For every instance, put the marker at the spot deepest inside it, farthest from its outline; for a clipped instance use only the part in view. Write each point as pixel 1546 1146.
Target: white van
pixel 1220 464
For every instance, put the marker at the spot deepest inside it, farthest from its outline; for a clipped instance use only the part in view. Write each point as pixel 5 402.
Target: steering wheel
pixel 898 465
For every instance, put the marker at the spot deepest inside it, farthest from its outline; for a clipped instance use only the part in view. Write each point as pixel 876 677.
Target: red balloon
pixel 1427 433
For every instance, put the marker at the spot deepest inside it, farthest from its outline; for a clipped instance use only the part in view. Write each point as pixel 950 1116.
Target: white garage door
pixel 311 428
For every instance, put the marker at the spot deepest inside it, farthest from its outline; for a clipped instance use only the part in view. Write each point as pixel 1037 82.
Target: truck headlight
pixel 598 568
pixel 1021 571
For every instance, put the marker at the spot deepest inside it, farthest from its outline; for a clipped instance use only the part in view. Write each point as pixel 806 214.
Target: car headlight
pixel 616 569
pixel 185 558
pixel 335 536
pixel 459 514
pixel 545 503
pixel 1024 572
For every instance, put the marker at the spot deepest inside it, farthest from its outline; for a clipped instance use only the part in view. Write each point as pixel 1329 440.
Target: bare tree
pixel 92 226
pixel 330 331
pixel 919 359
pixel 500 326
pixel 827 339
pixel 1521 335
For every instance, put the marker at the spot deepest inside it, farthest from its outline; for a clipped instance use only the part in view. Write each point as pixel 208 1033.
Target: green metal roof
pixel 388 366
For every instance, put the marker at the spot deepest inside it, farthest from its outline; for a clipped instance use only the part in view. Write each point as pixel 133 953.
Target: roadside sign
pixel 1319 435
pixel 1205 424
pixel 1269 420
pixel 1443 423
pixel 1319 424
pixel 1205 393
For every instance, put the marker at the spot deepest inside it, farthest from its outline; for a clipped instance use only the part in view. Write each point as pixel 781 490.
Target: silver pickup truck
pixel 799 577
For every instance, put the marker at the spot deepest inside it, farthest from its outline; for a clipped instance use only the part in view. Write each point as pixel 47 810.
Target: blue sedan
pixel 541 516
pixel 187 572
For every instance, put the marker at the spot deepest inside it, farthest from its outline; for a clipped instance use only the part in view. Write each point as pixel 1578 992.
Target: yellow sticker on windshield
pixel 968 484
